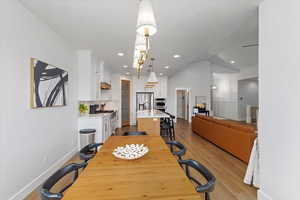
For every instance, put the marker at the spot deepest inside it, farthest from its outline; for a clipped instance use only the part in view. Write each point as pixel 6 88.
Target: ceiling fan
pixel 251 45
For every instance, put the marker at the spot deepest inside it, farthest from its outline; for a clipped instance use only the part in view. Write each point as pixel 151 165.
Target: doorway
pixel 182 97
pixel 125 106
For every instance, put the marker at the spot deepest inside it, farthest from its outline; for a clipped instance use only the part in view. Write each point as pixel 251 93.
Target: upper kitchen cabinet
pixel 86 77
pixel 91 72
pixel 160 90
pixel 105 92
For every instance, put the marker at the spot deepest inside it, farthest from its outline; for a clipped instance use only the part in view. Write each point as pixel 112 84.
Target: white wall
pixel 196 77
pixel 32 140
pixel 225 96
pixel 116 94
pixel 249 72
pixel 247 95
pixel 279 118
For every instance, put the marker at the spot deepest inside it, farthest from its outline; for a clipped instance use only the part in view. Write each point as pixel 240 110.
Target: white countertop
pixel 95 115
pixel 151 114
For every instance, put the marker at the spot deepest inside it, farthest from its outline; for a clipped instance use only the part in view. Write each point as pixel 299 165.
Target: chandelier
pixel 146 27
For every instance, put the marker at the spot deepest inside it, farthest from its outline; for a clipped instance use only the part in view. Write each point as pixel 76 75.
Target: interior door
pixel 180 104
pixel 183 99
pixel 125 90
pixel 187 105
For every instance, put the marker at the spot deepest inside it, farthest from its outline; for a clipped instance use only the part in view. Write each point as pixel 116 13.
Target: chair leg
pixel 174 135
pixel 170 134
pixel 207 197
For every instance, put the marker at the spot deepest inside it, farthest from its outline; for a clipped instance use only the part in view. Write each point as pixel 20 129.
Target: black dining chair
pixel 177 145
pixel 56 177
pixel 89 151
pixel 134 133
pixel 210 178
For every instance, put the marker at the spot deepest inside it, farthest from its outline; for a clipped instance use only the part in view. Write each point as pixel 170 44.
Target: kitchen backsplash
pixel 109 104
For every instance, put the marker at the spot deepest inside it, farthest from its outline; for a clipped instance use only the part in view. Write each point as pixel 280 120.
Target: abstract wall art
pixel 48 85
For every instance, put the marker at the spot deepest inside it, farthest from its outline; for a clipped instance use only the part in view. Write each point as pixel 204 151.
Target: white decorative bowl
pixel 131 151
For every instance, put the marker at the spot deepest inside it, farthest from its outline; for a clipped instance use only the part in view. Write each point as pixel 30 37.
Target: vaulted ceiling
pixel 195 29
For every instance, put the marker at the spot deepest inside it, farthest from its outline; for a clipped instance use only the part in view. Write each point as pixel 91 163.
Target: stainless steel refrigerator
pixel 144 101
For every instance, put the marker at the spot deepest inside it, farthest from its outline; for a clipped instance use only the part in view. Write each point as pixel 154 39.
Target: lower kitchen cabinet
pixel 101 123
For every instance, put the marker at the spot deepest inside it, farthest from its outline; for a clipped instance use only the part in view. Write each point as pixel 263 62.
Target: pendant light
pixel 152 77
pixel 140 43
pixel 147 85
pixel 136 59
pixel 141 51
pixel 146 24
pixel 146 27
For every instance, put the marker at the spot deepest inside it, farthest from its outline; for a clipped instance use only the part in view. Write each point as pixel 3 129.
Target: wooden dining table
pixel 157 175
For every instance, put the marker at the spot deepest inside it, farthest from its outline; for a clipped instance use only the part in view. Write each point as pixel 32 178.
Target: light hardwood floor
pixel 228 170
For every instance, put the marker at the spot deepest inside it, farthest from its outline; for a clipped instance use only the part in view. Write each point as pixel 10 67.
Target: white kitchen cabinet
pixel 106 128
pixel 88 78
pixel 92 123
pixel 160 90
pixel 91 72
pixel 105 76
pixel 163 87
pixel 101 123
pixel 85 79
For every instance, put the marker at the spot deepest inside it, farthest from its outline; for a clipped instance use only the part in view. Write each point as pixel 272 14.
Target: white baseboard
pixel 262 196
pixel 25 191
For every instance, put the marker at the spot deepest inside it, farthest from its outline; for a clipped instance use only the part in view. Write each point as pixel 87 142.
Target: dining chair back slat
pixel 56 177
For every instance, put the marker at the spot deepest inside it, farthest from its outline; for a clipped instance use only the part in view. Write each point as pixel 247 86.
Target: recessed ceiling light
pixel 176 56
pixel 121 54
pixel 167 67
pixel 127 73
pixel 125 66
pixel 232 61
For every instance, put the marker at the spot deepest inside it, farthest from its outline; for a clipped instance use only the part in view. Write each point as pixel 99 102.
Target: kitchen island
pixel 149 121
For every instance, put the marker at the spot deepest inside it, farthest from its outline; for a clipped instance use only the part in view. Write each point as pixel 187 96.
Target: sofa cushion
pixel 231 136
pixel 230 124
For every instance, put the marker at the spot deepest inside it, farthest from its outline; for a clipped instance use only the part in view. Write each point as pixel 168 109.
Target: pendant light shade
pixel 152 78
pixel 147 85
pixel 146 23
pixel 140 43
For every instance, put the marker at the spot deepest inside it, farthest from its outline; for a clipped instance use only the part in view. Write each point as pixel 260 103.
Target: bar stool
pixel 167 127
pixel 164 127
pixel 172 127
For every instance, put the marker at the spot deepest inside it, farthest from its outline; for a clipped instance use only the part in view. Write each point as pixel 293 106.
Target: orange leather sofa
pixel 231 136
